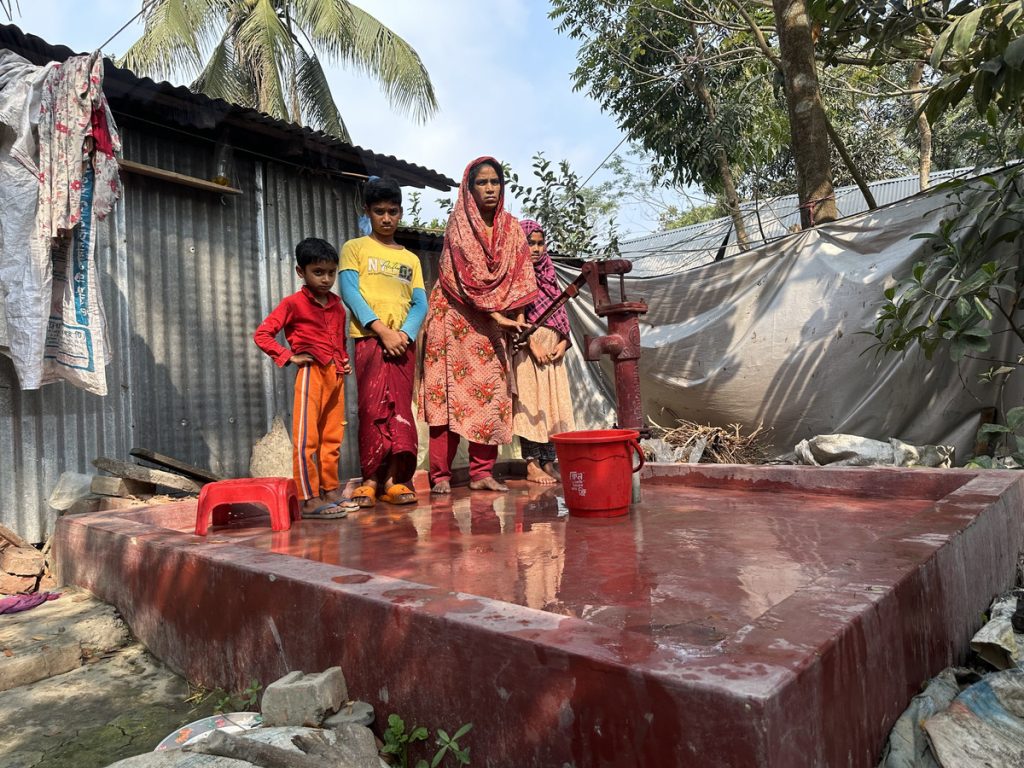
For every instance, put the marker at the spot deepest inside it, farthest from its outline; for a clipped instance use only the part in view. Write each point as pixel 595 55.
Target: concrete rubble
pixel 301 699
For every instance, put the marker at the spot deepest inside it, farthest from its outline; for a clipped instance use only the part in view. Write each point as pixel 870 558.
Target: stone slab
pixel 739 616
pixel 199 474
pixel 105 485
pixel 351 712
pixel 12 585
pixel 56 637
pixel 119 706
pixel 355 757
pixel 21 561
pixel 146 475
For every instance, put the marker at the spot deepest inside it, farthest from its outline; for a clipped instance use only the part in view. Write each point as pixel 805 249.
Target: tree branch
pixel 850 165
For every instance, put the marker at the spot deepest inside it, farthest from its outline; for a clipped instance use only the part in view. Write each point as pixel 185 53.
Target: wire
pixel 145 7
pixel 623 140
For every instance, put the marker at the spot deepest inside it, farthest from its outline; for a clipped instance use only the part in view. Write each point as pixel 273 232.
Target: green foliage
pixel 974 48
pixel 644 60
pixel 246 700
pixel 399 743
pixel 266 54
pixel 972 276
pixel 645 64
pixel 1012 436
pixel 414 209
pixel 569 213
pixel 674 218
pixel 951 298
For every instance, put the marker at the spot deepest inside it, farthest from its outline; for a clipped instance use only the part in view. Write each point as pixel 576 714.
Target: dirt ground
pixel 117 702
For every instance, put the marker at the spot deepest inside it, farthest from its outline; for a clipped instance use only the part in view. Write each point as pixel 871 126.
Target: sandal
pixel 400 494
pixel 325 512
pixel 365 496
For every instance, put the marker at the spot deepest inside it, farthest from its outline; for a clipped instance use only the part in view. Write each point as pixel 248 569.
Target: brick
pixel 301 699
pixel 21 561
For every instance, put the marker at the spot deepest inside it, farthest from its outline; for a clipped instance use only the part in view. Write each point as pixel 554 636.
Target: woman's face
pixel 486 189
pixel 536 243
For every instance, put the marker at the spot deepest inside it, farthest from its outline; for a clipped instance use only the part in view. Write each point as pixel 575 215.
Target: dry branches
pixel 714 445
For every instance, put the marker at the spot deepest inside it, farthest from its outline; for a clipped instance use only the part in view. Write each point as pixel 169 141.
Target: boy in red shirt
pixel 313 321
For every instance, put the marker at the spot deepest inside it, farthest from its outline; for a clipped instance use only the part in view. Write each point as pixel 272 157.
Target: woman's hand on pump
pixel 507 324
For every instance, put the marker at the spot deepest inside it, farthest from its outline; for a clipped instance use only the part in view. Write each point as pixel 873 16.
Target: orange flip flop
pixel 399 494
pixel 365 496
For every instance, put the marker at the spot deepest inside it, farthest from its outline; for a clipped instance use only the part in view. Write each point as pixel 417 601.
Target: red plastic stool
pixel 277 494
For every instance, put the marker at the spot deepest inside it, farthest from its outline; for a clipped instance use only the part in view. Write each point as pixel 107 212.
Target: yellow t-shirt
pixel 387 277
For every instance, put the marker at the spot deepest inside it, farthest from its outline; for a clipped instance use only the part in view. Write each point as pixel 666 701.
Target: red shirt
pixel 308 327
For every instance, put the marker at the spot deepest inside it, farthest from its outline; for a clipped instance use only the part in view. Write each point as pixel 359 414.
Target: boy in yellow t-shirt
pixel 382 284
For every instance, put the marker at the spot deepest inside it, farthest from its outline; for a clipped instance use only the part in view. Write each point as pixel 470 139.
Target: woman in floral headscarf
pixel 485 282
pixel 542 406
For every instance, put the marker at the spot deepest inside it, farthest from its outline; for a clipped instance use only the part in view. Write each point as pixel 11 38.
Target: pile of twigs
pixel 715 445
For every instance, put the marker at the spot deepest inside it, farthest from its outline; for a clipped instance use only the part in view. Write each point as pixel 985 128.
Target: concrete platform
pixel 740 616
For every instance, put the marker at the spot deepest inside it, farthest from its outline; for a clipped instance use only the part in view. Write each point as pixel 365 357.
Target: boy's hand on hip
pixel 301 359
pixel 346 366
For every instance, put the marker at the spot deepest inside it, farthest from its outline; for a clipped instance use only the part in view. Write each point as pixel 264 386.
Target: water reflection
pixel 687 566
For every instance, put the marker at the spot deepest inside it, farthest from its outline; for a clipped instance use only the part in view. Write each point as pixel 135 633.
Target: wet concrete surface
pixel 689 569
pixel 738 616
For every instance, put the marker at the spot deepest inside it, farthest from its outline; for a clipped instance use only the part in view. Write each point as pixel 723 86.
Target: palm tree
pixel 263 54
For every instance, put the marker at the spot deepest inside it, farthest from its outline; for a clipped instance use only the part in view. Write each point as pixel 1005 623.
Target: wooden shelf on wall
pixel 176 178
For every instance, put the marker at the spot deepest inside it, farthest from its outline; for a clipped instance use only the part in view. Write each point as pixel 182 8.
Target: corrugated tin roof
pixel 144 98
pixel 680 249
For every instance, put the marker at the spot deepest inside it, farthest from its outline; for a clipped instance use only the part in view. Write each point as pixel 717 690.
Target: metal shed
pixel 187 274
pixel 677 250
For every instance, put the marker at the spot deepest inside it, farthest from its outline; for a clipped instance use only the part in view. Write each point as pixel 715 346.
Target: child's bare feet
pixel 549 468
pixel 537 475
pixel 487 484
pixel 442 487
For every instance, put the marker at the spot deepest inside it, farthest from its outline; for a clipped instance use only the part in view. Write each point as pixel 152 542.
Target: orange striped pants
pixel 318 426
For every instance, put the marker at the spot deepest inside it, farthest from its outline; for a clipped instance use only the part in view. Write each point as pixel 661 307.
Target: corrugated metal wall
pixel 186 277
pixel 57 428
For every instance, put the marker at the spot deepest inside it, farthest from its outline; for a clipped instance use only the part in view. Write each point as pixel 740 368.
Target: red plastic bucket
pixel 596 468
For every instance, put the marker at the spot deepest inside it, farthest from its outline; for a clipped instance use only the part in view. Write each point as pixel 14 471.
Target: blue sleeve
pixel 354 300
pixel 417 311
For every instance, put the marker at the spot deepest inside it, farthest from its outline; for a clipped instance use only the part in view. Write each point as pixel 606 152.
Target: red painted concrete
pixel 741 616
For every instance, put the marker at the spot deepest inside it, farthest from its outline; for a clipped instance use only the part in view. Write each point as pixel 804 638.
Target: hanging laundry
pixel 55 328
pixel 24 259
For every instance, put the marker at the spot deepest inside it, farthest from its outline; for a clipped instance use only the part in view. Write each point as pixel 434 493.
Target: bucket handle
pixel 639 454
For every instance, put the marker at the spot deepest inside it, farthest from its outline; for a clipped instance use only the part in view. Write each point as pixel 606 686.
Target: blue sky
pixel 500 70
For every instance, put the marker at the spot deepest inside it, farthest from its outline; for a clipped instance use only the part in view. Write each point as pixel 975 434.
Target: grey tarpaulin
pixel 908 745
pixel 775 336
pixel 984 726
